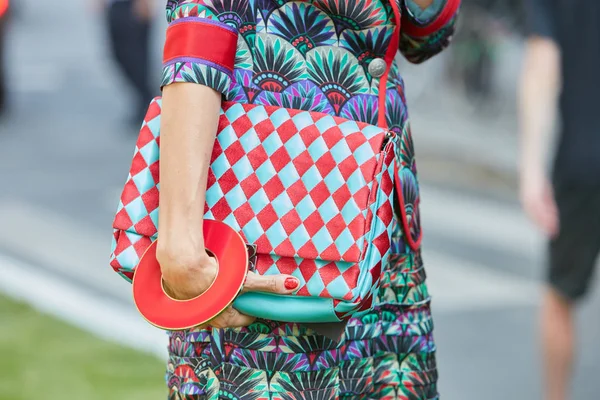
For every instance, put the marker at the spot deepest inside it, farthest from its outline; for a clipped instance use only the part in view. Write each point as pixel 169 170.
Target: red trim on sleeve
pixel 197 39
pixel 442 19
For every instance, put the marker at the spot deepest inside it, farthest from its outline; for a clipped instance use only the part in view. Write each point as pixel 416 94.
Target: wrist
pixel 532 170
pixel 531 163
pixel 178 261
pixel 181 246
pixel 532 178
pixel 174 226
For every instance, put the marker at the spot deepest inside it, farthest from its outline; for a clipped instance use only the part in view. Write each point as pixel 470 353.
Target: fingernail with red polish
pixel 291 283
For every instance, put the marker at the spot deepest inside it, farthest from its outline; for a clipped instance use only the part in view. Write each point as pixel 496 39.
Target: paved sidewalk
pixel 456 144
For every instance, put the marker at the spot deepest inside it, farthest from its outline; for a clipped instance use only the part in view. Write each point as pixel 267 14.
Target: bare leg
pixel 558 344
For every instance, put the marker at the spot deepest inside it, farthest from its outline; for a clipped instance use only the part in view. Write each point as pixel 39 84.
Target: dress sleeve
pixel 427 32
pixel 539 19
pixel 199 47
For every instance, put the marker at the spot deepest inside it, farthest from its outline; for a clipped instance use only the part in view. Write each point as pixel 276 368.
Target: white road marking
pixel 457 285
pixel 51 77
pixel 479 221
pixel 101 316
pixel 37 78
pixel 61 244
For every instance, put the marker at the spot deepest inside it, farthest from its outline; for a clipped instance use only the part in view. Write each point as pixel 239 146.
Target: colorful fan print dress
pixel 336 57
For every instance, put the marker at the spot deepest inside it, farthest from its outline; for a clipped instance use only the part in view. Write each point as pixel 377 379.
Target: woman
pixel 332 56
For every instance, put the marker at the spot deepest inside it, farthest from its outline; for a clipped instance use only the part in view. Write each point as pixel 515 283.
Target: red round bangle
pixel 165 312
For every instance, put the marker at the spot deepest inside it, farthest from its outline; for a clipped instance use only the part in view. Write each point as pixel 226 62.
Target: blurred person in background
pixel 129 27
pixel 4 8
pixel 561 72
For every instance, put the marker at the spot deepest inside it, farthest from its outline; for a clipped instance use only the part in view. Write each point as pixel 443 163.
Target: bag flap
pixel 295 183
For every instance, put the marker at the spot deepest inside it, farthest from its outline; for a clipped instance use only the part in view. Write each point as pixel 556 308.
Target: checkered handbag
pixel 312 193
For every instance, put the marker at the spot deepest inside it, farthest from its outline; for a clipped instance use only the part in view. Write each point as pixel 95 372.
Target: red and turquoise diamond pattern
pixel 304 187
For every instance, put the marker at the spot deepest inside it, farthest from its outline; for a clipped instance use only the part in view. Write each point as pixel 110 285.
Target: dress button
pixel 377 67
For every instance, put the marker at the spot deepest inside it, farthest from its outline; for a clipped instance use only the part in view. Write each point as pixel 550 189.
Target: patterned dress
pixel 315 55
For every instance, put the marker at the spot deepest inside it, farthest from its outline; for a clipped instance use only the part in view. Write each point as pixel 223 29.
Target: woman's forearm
pixel 189 119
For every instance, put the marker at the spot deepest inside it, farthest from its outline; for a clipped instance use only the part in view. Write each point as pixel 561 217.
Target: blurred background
pixel 68 328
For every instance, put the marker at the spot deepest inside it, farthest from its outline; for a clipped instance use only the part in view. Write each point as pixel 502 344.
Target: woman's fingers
pixel 231 318
pixel 279 284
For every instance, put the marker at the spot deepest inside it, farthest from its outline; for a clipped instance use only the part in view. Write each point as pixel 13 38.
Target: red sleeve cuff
pixel 202 40
pixel 445 15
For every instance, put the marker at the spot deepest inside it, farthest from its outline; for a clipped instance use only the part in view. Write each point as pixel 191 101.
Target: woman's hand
pixel 187 275
pixel 277 284
pixel 537 198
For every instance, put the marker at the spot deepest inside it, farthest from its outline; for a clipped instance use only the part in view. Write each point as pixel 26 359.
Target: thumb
pixel 279 284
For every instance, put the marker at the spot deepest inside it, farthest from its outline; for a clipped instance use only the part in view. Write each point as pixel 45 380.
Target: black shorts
pixel 574 252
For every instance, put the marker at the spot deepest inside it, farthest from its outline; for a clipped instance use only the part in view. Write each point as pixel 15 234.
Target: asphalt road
pixel 64 154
